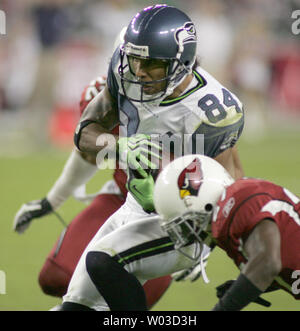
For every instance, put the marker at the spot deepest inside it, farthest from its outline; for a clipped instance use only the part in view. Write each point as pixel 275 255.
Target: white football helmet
pixel 185 195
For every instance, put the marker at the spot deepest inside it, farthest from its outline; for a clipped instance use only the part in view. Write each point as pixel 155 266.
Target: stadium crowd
pixel 53 48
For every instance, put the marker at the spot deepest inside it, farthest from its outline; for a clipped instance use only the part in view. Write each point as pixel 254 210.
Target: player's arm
pixel 262 248
pixel 78 170
pixel 239 171
pixel 100 117
pixel 231 162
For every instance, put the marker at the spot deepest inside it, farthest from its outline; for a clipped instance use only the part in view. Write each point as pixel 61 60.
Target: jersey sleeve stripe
pixel 276 206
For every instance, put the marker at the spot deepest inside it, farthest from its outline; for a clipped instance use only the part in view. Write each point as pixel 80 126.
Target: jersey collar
pixel 200 83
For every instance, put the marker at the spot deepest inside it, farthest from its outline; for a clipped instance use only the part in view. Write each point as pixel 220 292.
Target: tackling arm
pixel 264 264
pixel 263 250
pixel 78 170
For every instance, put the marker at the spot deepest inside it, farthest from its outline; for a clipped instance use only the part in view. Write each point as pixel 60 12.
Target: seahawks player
pixel 154 87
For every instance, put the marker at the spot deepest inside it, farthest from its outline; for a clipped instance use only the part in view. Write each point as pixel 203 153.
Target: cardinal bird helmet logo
pixel 190 179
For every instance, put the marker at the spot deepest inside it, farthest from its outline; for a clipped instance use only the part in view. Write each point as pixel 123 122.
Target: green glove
pixel 142 190
pixel 138 152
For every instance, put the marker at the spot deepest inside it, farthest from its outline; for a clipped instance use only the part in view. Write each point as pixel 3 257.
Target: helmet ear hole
pixel 208 207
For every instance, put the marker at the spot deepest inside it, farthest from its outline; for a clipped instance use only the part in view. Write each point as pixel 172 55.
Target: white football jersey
pixel 207 117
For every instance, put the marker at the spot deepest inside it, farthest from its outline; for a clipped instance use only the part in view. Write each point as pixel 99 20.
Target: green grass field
pixel 276 157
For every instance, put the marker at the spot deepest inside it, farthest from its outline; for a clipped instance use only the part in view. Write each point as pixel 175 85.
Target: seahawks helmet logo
pixel 186 34
pixel 190 179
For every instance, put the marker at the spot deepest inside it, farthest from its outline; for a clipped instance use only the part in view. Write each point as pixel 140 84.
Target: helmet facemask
pixel 189 228
pixel 176 72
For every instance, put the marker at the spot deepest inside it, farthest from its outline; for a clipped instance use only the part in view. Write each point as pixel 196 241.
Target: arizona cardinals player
pixel 256 222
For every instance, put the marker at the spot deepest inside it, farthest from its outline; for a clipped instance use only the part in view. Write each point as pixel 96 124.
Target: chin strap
pixel 202 262
pixel 203 271
pixel 204 257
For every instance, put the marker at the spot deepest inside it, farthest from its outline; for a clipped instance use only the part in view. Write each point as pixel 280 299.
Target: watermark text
pixel 296 24
pixel 296 283
pixel 171 147
pixel 2 282
pixel 2 23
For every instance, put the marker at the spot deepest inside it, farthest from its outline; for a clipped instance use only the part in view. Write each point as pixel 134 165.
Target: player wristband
pixel 239 295
pixel 78 130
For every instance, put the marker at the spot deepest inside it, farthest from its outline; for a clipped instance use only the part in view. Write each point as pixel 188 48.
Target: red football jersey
pixel 87 96
pixel 246 203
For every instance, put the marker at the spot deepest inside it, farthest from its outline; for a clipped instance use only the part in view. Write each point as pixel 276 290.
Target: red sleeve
pixel 248 215
pixel 238 227
pixel 238 213
pixel 91 91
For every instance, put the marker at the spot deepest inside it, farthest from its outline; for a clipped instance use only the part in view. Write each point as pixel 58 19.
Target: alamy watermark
pixel 171 147
pixel 296 283
pixel 2 282
pixel 2 23
pixel 296 24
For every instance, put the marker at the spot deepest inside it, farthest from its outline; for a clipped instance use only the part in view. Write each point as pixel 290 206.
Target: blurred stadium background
pixel 53 48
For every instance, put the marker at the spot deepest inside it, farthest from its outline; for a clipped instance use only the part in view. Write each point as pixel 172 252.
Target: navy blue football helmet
pixel 163 33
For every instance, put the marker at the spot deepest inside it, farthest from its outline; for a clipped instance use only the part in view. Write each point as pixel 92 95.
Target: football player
pixel 154 87
pixel 59 266
pixel 256 222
